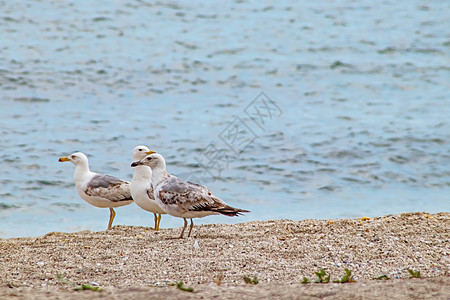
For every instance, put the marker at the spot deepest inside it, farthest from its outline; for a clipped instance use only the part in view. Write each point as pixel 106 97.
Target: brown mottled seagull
pixel 181 198
pixel 97 189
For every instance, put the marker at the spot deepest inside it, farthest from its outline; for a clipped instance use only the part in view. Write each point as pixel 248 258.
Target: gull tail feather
pixel 230 211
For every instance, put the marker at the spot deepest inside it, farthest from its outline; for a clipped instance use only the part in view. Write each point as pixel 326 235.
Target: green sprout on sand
pixel 62 279
pixel 382 277
pixel 305 280
pixel 414 274
pixel 84 287
pixel 321 277
pixel 249 280
pixel 180 286
pixel 346 278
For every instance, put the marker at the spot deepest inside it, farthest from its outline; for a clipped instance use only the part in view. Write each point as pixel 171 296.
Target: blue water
pixel 359 123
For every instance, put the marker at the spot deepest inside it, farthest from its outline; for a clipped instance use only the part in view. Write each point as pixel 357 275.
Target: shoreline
pixel 130 262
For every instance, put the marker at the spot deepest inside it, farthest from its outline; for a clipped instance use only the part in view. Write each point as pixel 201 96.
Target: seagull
pixel 183 199
pixel 141 186
pixel 97 189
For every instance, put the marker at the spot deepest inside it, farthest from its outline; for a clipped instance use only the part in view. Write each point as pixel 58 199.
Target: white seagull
pixel 97 189
pixel 181 198
pixel 141 186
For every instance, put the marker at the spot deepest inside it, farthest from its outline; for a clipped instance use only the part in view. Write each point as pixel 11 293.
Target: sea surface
pixel 293 110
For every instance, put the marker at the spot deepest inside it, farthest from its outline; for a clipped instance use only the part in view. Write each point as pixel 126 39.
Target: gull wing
pixel 109 188
pixel 189 196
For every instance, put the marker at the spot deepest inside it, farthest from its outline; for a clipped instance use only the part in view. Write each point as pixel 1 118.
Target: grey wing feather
pixel 109 187
pixel 176 185
pixel 191 196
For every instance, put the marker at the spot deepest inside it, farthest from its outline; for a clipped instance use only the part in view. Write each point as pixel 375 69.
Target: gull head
pixel 153 160
pixel 75 158
pixel 139 152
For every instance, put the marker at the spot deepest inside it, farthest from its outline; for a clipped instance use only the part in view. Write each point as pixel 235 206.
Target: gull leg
pixel 190 227
pixel 112 215
pixel 159 220
pixel 185 224
pixel 156 222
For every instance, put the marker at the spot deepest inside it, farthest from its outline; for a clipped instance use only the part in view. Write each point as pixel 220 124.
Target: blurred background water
pixel 359 91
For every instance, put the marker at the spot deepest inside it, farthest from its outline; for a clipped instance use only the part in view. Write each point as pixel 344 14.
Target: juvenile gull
pixel 141 186
pixel 181 198
pixel 97 189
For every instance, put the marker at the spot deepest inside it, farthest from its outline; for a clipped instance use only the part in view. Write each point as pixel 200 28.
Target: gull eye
pixel 140 149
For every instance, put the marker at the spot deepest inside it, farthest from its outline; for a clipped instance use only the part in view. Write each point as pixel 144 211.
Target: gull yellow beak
pixel 62 159
pixel 150 152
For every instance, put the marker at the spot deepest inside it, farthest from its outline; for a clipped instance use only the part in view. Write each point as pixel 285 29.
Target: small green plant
pixel 305 280
pixel 80 287
pixel 84 287
pixel 321 277
pixel 414 274
pixel 249 280
pixel 180 286
pixel 382 277
pixel 62 279
pixel 346 278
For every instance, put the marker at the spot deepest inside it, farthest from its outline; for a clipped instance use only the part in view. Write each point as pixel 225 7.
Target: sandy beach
pixel 131 262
